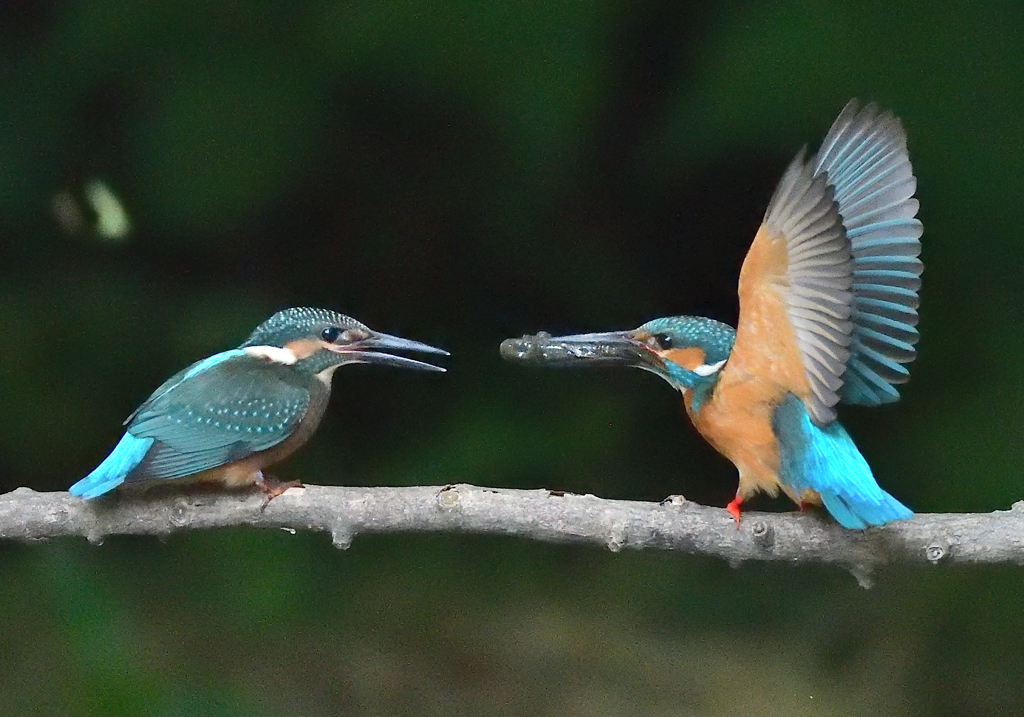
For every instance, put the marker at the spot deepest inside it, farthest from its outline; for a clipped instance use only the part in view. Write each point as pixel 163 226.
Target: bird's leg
pixel 806 500
pixel 272 486
pixel 734 509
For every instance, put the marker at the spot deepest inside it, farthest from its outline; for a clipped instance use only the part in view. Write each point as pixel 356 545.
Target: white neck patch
pixel 327 373
pixel 272 353
pixel 706 369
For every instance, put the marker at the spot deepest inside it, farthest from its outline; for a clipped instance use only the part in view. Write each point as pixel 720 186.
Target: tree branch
pixel 676 524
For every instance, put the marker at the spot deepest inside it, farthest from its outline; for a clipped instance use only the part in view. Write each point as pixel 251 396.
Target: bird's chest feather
pixel 737 420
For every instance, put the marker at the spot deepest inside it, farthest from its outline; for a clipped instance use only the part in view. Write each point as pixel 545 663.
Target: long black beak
pixel 368 351
pixel 611 348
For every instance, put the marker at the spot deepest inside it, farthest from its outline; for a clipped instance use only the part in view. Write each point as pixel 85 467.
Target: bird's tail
pixel 109 474
pixel 826 461
pixel 863 511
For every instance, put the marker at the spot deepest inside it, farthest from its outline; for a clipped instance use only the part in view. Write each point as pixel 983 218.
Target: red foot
pixel 734 509
pixel 274 487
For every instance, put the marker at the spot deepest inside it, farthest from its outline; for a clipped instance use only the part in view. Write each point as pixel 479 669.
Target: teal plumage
pixel 826 460
pixel 229 415
pixel 109 474
pixel 828 315
pixel 821 459
pixel 255 406
pixel 221 409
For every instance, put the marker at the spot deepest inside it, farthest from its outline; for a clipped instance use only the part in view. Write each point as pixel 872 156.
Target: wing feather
pixel 227 411
pixel 819 276
pixel 838 250
pixel 864 158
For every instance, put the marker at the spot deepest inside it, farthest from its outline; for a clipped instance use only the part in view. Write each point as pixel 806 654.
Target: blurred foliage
pixel 460 173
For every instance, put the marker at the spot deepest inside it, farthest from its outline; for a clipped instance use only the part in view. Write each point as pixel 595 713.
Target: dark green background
pixel 459 174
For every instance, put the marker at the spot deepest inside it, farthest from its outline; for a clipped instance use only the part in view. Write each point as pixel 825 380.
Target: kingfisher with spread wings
pixel 828 312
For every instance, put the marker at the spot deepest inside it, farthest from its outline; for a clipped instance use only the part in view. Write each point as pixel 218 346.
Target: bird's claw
pixel 273 487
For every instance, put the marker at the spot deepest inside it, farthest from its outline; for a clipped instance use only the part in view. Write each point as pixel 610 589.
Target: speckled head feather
pixel 676 337
pixel 296 323
pixel 714 337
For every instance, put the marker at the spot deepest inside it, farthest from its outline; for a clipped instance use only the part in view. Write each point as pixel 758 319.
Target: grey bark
pixel 675 524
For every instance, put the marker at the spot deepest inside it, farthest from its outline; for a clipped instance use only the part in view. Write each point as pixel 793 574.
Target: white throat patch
pixel 706 369
pixel 272 353
pixel 326 375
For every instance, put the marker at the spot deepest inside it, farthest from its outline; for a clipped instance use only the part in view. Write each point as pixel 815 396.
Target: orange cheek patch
pixel 303 348
pixel 689 358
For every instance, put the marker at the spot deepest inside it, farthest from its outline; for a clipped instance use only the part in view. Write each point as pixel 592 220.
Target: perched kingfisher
pixel 231 415
pixel 828 310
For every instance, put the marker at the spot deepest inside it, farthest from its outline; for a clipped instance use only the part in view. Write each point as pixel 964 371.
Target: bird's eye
pixel 330 334
pixel 664 341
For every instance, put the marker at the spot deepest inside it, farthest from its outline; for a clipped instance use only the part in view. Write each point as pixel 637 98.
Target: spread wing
pixel 819 269
pixel 795 294
pixel 828 291
pixel 864 157
pixel 220 410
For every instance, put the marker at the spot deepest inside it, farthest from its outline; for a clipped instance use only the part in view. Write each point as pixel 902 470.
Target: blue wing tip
pixel 109 474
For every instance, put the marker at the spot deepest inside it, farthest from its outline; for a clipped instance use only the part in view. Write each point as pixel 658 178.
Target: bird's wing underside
pixel 830 283
pixel 864 158
pixel 230 409
pixel 794 324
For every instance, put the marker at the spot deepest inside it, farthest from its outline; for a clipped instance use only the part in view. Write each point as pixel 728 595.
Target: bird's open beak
pixel 371 350
pixel 611 348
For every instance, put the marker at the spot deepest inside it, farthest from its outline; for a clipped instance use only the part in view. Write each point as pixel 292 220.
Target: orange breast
pixel 736 420
pixel 763 367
